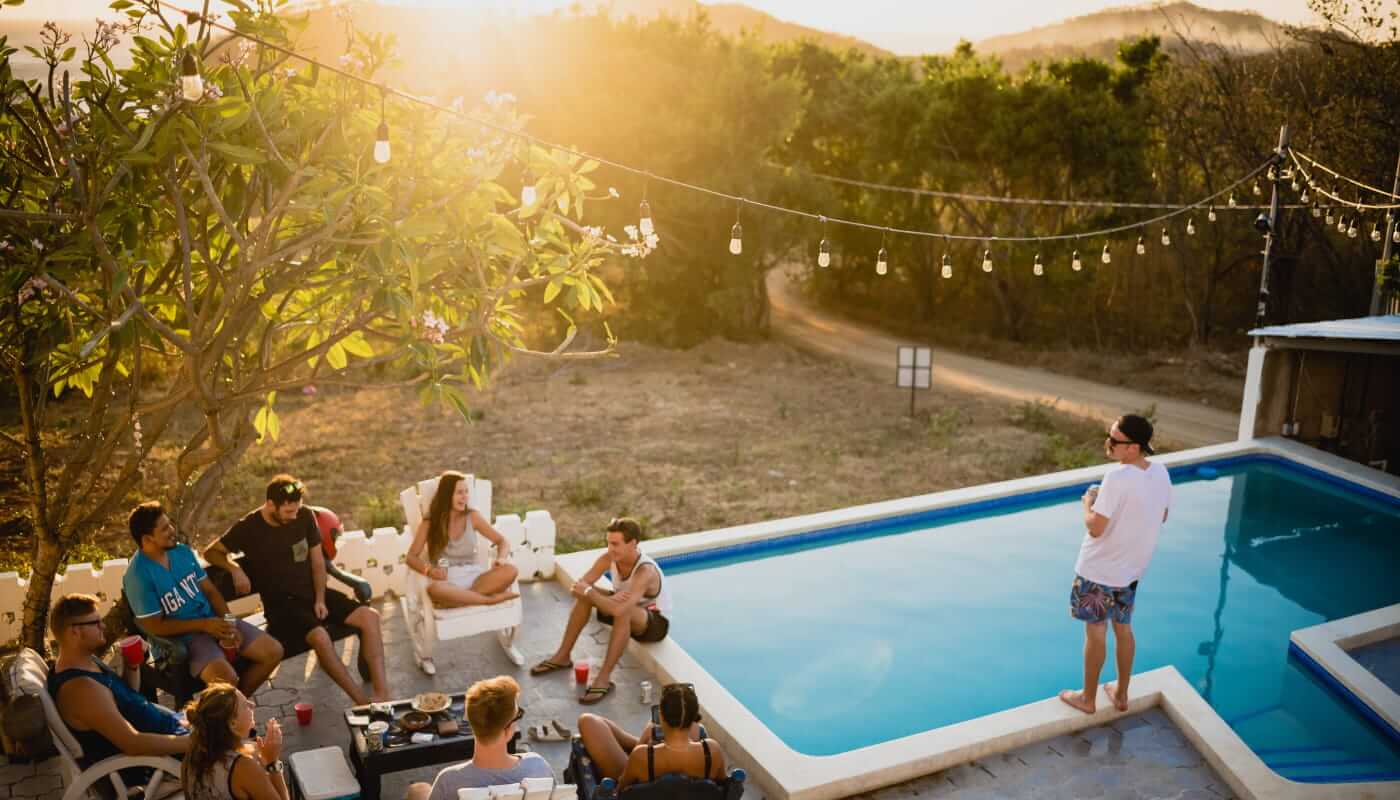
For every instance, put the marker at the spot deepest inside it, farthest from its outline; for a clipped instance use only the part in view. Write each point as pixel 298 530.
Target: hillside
pixel 1098 34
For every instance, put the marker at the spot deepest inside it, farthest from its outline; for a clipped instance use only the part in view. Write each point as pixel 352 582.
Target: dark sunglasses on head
pixel 293 488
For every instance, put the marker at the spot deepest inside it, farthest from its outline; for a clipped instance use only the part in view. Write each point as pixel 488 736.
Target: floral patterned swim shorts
pixel 1095 603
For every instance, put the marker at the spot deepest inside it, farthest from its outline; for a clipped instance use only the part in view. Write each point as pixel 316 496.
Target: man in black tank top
pixel 633 611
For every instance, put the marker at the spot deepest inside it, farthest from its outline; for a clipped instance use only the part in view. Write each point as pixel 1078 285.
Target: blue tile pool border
pixel 1337 686
pixel 873 527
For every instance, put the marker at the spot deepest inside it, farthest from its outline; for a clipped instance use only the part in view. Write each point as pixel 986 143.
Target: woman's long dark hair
pixel 211 716
pixel 680 708
pixel 440 513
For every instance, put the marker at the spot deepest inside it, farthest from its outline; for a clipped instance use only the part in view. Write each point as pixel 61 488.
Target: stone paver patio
pixel 1143 756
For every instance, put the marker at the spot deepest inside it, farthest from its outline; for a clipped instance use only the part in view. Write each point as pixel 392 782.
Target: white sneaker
pixel 426 664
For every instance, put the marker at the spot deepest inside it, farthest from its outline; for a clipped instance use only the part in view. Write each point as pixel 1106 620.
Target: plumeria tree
pixel 177 253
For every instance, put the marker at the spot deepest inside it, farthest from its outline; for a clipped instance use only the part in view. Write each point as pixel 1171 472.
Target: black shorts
pixel 657 625
pixel 290 618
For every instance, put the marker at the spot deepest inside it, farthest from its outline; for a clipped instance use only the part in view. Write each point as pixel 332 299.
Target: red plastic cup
pixel 133 650
pixel 580 672
pixel 230 652
pixel 303 713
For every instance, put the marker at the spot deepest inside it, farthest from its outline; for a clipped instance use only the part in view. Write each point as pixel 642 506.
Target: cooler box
pixel 324 774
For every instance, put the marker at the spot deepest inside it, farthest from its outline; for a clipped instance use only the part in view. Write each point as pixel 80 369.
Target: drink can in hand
pixel 648 693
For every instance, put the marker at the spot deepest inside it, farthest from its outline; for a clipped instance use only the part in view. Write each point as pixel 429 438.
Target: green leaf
pixel 456 399
pixel 336 356
pixel 551 290
pixel 238 153
pixel 355 345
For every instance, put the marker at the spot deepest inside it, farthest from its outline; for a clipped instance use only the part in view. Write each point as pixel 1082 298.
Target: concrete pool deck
pixel 783 772
pixel 1137 756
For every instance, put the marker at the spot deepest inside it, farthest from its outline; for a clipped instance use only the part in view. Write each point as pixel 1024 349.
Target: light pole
pixel 1269 226
pixel 1390 221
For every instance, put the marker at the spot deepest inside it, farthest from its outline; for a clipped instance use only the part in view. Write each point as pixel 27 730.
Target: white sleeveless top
pixel 662 598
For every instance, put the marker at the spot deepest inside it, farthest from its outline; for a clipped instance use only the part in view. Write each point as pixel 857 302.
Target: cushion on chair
pixel 26 691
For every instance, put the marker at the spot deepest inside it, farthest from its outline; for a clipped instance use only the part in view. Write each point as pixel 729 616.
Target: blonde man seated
pixel 493 713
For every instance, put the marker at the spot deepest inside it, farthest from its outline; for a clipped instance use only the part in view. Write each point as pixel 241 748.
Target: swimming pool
pixel 829 649
pixel 895 627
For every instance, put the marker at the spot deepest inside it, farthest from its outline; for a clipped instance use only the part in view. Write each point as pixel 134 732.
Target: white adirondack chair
pixel 528 789
pixel 31 677
pixel 426 624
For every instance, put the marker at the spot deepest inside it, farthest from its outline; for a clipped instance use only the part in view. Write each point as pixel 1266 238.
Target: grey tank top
pixel 461 552
pixel 218 784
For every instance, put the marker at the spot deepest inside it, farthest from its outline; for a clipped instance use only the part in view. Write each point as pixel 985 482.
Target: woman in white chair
pixel 449 533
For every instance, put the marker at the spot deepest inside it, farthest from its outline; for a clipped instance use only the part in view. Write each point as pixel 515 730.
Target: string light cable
pixel 739 200
pixel 1357 204
pixel 1319 165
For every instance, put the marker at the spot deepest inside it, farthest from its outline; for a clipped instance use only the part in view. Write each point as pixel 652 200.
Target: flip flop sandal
pixel 595 694
pixel 563 730
pixel 545 667
pixel 543 733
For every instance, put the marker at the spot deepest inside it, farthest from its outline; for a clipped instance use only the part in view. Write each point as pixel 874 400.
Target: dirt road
pixel 1179 422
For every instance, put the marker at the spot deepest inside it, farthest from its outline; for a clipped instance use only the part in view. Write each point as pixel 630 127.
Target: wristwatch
pixel 276 766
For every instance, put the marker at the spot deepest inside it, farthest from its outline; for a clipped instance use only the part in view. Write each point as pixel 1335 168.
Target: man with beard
pixel 173 598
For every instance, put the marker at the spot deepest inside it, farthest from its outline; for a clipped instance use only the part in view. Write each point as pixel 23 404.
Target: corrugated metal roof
pixel 1383 328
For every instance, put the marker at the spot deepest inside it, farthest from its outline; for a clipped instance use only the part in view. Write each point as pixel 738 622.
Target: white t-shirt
pixel 1134 500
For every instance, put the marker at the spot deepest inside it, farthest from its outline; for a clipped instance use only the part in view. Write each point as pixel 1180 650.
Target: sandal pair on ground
pixel 555 731
pixel 591 695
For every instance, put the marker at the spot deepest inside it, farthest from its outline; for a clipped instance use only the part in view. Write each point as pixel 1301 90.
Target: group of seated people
pixel 175 603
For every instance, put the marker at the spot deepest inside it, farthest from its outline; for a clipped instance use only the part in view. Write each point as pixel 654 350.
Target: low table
pixel 445 750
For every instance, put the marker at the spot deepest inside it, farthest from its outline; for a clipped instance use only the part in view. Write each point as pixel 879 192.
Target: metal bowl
pixel 414 721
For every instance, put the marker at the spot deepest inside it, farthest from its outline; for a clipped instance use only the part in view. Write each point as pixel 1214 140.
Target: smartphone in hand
pixel 656 724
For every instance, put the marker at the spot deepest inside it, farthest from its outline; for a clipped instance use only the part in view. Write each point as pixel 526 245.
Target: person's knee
pixel 365 618
pixel 1122 630
pixel 1096 631
pixel 510 571
pixel 418 791
pixel 219 671
pixel 318 638
pixel 266 650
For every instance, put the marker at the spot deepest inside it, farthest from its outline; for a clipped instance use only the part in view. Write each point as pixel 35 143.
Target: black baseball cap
pixel 1138 430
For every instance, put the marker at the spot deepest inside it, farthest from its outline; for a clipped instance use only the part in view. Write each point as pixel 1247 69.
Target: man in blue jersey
pixel 173 598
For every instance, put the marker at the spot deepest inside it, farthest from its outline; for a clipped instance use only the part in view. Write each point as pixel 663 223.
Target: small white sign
pixel 914 367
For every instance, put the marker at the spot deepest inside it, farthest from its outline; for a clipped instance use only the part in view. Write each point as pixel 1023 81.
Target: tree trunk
pixel 36 597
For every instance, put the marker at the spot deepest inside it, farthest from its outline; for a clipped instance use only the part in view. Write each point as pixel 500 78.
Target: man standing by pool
pixel 1122 518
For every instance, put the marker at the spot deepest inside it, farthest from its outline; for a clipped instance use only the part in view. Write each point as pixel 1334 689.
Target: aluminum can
pixel 374 736
pixel 648 693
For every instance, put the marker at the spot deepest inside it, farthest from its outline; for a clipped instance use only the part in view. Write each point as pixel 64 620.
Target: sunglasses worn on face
pixel 1117 442
pixel 519 714
pixel 85 623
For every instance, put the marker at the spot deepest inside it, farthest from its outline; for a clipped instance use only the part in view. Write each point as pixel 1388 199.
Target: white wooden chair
pixel 528 789
pixel 426 624
pixel 31 677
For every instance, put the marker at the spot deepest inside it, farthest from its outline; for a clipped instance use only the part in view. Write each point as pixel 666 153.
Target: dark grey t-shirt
pixel 470 776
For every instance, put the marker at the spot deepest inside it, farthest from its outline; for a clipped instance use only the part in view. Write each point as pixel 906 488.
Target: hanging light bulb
pixel 987 260
pixel 1351 229
pixel 529 193
pixel 1256 190
pixel 1376 231
pixel 1272 175
pixel 1166 238
pixel 1316 212
pixel 1037 268
pixel 824 254
pixel 1190 227
pixel 1141 246
pixel 381 143
pixel 1074 262
pixel 1304 197
pixel 1342 225
pixel 191 85
pixel 1107 257
pixel 1395 236
pixel 882 262
pixel 947 267
pixel 1329 219
pixel 645 224
pixel 1295 185
pixel 1210 213
pixel 736 239
pixel 1231 202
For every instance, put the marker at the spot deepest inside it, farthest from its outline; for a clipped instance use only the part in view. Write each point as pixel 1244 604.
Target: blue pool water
pixel 846 638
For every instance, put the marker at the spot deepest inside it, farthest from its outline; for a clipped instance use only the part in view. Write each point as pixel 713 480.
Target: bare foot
pixel 1076 699
pixel 501 597
pixel 1111 689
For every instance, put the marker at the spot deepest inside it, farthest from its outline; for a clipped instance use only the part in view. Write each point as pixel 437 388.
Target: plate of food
pixel 414 721
pixel 431 702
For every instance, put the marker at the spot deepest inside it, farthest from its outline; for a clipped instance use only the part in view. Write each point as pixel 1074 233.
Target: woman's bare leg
pixel 608 744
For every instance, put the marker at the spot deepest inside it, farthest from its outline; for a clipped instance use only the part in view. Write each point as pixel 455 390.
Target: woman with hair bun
pixel 222 764
pixel 681 750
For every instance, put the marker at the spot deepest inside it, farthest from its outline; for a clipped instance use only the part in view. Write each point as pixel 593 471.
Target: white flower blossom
pixel 612 192
pixel 652 241
pixel 434 328
pixel 594 231
pixel 631 231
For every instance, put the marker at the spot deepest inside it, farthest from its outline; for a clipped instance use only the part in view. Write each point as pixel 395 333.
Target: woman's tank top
pixel 218 784
pixel 461 552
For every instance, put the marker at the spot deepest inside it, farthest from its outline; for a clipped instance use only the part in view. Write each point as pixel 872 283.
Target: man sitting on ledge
pixel 173 598
pixel 636 607
pixel 107 717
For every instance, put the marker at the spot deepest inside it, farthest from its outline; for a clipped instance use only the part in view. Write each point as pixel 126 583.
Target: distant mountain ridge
pixel 1098 34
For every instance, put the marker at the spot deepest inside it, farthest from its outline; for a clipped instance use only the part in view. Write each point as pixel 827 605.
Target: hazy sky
pixel 887 22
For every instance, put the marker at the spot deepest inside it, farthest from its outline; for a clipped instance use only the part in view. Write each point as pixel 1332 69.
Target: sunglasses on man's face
pixel 1116 442
pixel 519 714
pixel 85 623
